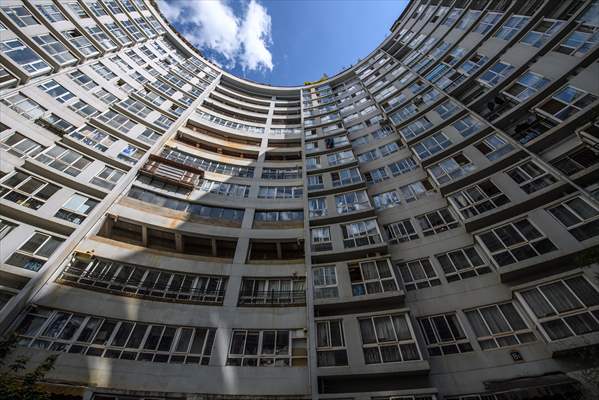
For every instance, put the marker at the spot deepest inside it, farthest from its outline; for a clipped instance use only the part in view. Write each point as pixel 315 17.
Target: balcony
pixel 272 298
pixel 172 172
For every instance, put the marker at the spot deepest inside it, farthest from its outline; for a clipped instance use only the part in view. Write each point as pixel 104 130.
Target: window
pixel 280 192
pixel 473 64
pixel 21 146
pixel 51 12
pixel 579 216
pixel 281 216
pixel 415 128
pixel 541 33
pixel 494 147
pixel 199 210
pixel 65 160
pixel 330 344
pixel 55 49
pixel 390 148
pixel 252 348
pixel 118 33
pixel 34 253
pixel 362 140
pixel 224 188
pixel 315 182
pixel 117 121
pixel 566 102
pixel 579 42
pixel 274 291
pixel 403 166
pixel 447 109
pixel 576 161
pixel 382 133
pixel 414 191
pixel 341 157
pixel 107 178
pixel 531 177
pixel 26 190
pixel 467 126
pixel 527 85
pixel 451 169
pixel 514 242
pixel 55 124
pixel 312 163
pixel 78 10
pixel 418 274
pixel 103 71
pixel 403 113
pixel 368 156
pixel 432 145
pixel 24 106
pixel 80 42
pixel 361 233
pixel 388 338
pixel 20 16
pixel 371 277
pixel 496 73
pixel 145 27
pixel 511 27
pixel 317 207
pixel 499 325
pixel 133 30
pixel 487 22
pixel 76 209
pixel 57 91
pixel 462 264
pixel 452 16
pixel 83 80
pixel 96 9
pixel 386 200
pixel 345 177
pixel 163 122
pixel 321 239
pixel 563 308
pixel 478 199
pixel 207 165
pixel 352 201
pixel 282 173
pixel 402 231
pixel 436 222
pixel 113 7
pixel 6 227
pixel 101 37
pixel 110 338
pixel 135 107
pixel 325 282
pixel 24 57
pixel 83 109
pixel 444 335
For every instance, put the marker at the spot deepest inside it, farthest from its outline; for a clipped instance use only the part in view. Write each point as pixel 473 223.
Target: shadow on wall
pixel 177 312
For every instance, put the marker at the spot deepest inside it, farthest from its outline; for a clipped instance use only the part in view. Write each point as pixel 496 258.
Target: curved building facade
pixel 421 226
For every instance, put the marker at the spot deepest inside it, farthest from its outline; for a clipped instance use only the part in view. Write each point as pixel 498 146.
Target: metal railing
pixel 273 297
pixel 75 276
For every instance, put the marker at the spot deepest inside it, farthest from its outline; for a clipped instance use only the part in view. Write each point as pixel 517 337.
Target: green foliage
pixel 15 382
pixel 324 78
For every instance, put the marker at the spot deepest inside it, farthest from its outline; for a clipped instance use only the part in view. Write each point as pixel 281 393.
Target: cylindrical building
pixel 421 226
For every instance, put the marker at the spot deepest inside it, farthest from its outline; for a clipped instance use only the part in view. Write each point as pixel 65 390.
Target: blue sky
pixel 283 42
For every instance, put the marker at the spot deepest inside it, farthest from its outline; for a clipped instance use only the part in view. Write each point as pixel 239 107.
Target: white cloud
pixel 212 24
pixel 254 34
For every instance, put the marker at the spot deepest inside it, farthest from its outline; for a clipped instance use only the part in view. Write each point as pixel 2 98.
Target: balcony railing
pixel 74 275
pixel 273 297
